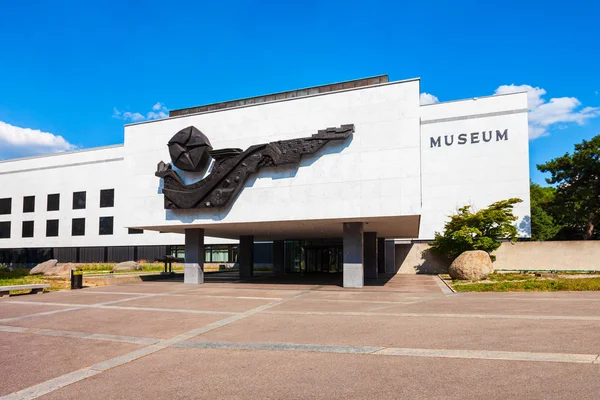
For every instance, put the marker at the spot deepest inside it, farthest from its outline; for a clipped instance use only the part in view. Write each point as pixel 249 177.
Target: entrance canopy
pixel 386 227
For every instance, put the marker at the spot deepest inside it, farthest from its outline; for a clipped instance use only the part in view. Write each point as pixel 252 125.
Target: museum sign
pixel 468 138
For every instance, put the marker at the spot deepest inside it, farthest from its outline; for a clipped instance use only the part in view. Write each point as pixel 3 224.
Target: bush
pixel 481 230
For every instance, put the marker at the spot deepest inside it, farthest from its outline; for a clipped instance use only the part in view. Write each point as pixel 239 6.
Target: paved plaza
pixel 405 336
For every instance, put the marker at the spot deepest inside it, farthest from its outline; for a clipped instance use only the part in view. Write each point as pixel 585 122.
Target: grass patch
pixel 20 276
pixel 534 284
pixel 107 268
pixel 511 277
pixel 6 274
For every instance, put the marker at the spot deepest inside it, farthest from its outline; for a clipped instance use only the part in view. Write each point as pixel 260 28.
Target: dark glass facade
pixel 312 256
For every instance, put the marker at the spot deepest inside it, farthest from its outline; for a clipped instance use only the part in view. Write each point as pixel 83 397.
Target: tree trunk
pixel 589 231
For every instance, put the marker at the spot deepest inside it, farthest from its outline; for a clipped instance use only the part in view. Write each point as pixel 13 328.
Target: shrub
pixel 481 230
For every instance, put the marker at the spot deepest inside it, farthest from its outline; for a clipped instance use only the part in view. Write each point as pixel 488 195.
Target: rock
pixel 60 269
pixel 127 266
pixel 545 275
pixel 41 268
pixel 471 265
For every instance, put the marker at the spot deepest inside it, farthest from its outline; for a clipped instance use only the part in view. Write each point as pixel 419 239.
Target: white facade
pixel 482 157
pixel 397 173
pixel 87 171
pixel 374 174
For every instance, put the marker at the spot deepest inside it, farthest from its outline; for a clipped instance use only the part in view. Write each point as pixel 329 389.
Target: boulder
pixel 60 269
pixel 127 266
pixel 41 268
pixel 471 265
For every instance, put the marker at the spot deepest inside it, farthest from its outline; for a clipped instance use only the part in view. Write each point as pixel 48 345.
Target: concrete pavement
pixel 402 336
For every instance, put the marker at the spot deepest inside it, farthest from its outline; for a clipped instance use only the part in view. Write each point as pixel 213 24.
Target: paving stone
pixel 300 375
pixel 150 324
pixel 30 359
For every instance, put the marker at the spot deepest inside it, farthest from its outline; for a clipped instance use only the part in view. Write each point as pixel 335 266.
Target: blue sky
pixel 72 72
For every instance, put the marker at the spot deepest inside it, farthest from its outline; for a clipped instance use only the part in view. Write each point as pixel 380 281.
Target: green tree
pixel 543 224
pixel 577 200
pixel 481 230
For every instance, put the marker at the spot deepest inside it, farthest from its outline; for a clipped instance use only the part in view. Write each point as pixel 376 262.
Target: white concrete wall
pixel 376 173
pixel 477 172
pixel 89 171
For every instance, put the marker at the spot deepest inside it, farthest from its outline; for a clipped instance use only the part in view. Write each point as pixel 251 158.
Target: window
pixel 52 227
pixel 220 254
pixel 107 198
pixel 178 251
pixel 27 229
pixel 234 254
pixel 5 230
pixel 53 202
pixel 78 227
pixel 5 206
pixel 216 253
pixel 28 204
pixel 133 231
pixel 106 226
pixel 78 200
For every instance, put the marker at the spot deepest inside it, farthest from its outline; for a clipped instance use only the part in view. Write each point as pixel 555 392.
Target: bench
pixel 169 260
pixel 35 288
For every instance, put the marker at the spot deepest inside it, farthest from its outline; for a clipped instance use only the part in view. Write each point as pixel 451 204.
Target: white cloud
pixel 427 98
pixel 20 142
pixel 127 115
pixel 544 115
pixel 158 111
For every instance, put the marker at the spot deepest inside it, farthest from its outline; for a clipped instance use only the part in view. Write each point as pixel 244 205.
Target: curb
pixel 446 289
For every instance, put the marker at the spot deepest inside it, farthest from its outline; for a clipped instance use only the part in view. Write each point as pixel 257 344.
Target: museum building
pixel 322 179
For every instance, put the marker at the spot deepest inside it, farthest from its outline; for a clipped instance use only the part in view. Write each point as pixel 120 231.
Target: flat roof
pixel 62 153
pixel 332 87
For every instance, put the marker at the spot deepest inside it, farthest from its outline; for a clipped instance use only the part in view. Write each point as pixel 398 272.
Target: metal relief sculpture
pixel 190 150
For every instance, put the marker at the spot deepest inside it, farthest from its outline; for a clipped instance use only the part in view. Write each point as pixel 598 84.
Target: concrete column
pixel 278 257
pixel 246 256
pixel 370 254
pixel 193 268
pixel 381 255
pixel 353 255
pixel 390 257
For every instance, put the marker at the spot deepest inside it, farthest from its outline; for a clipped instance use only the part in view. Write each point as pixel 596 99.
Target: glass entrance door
pixel 313 256
pixel 327 259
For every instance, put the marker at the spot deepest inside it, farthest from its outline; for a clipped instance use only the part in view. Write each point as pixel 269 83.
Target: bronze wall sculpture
pixel 232 167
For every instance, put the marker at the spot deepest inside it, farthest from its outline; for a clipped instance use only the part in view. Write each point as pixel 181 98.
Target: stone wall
pixel 522 256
